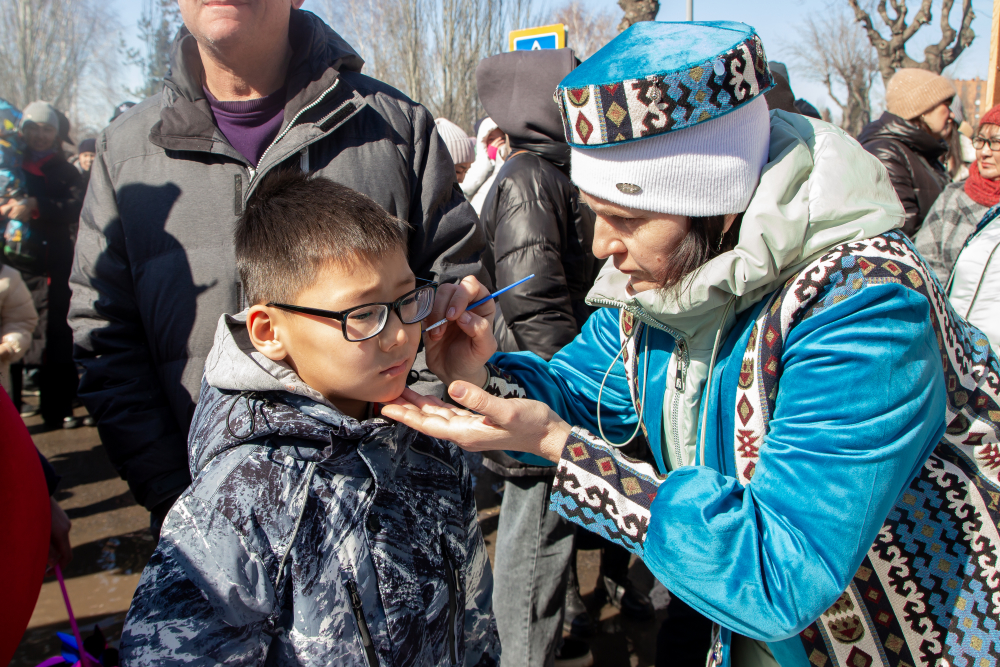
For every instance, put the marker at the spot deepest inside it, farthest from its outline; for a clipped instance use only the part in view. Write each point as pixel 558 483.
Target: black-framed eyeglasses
pixel 994 143
pixel 367 321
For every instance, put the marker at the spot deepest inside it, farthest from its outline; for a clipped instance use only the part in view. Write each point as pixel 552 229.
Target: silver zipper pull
pixel 681 367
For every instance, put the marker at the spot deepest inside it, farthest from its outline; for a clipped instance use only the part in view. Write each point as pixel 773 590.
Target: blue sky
pixel 777 22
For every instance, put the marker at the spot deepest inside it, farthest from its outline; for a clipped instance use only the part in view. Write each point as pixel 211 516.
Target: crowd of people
pixel 235 278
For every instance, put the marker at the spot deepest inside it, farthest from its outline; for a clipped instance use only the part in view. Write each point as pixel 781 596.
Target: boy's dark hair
pixel 294 224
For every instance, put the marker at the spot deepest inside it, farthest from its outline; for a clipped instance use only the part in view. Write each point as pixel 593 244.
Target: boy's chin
pixel 392 391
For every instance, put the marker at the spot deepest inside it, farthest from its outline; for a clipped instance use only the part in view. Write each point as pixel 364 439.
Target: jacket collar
pixel 818 190
pixel 891 126
pixel 556 152
pixel 318 56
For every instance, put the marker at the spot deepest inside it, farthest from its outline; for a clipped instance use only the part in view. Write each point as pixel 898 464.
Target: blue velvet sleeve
pixel 860 406
pixel 571 381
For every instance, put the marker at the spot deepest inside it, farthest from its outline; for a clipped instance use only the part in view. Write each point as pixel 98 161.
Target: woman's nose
pixel 606 240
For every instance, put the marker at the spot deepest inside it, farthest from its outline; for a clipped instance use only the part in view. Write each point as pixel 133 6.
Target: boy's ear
pixel 263 330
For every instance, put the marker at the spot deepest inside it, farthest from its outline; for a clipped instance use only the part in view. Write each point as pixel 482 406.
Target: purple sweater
pixel 251 125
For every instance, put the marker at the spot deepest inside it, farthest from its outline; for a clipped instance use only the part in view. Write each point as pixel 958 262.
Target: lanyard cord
pixel 642 407
pixel 708 383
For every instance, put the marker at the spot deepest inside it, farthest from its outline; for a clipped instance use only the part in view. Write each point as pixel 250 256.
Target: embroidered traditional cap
pixel 693 93
pixel 659 77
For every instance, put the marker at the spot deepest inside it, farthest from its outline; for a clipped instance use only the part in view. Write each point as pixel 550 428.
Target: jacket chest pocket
pixel 456 600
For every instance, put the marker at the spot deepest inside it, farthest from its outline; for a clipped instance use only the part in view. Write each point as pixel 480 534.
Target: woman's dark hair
pixel 703 242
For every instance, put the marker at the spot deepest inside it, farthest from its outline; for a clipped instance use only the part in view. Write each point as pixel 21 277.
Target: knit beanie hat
pixel 41 113
pixel 912 92
pixel 458 142
pixel 991 117
pixel 671 118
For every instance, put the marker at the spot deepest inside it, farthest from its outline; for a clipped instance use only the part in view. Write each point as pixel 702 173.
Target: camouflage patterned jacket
pixel 309 538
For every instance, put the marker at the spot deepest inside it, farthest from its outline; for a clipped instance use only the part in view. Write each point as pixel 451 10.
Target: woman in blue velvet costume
pixel 775 406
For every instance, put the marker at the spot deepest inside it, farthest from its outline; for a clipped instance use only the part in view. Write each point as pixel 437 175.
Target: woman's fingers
pixel 451 300
pixel 478 400
pixel 420 400
pixel 446 426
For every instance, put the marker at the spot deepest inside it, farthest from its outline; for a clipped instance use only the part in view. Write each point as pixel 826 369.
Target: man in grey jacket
pixel 252 88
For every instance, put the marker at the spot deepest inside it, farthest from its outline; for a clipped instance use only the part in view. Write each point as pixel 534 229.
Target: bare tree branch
pixel 636 11
pixel 429 49
pixel 838 54
pixel 50 47
pixel 891 50
pixel 588 30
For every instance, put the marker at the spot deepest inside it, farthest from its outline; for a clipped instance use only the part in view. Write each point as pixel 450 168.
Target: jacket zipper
pixel 680 377
pixel 675 409
pixel 359 616
pixel 311 105
pixel 453 589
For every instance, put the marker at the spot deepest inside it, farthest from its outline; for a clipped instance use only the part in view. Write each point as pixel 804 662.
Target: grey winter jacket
pixel 309 538
pixel 952 219
pixel 154 264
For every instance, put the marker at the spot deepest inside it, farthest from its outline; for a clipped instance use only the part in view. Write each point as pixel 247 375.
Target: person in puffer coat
pixel 909 140
pixel 534 224
pixel 314 532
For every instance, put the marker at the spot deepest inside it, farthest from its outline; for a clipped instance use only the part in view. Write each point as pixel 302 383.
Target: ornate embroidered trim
pixel 599 488
pixel 502 384
pixel 610 113
pixel 928 591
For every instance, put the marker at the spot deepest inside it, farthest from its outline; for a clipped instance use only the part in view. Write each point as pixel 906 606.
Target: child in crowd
pixel 315 532
pixel 11 153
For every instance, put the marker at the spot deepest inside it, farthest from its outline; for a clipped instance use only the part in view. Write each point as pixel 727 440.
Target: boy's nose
pixel 394 333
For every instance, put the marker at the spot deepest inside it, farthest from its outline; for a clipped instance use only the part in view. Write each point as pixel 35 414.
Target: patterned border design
pixel 606 114
pixel 599 488
pixel 502 384
pixel 928 591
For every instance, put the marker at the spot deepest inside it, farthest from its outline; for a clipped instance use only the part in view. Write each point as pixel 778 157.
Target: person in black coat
pixel 52 208
pixel 909 140
pixel 534 224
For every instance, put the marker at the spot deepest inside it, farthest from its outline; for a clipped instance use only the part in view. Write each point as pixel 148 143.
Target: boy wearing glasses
pixel 316 533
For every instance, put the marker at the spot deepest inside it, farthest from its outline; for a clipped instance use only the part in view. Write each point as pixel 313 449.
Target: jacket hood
pixel 239 380
pixel 892 127
pixel 234 364
pixel 558 153
pixel 819 189
pixel 516 91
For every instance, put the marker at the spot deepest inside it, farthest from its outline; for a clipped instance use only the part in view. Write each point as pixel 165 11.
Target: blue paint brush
pixel 482 301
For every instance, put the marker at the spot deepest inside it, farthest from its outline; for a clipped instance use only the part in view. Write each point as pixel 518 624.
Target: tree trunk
pixel 637 10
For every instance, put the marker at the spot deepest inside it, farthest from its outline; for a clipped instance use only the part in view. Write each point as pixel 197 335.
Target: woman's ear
pixel 728 221
pixel 264 333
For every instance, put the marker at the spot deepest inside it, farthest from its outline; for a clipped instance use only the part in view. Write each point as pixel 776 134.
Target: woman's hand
pixel 460 348
pixel 515 424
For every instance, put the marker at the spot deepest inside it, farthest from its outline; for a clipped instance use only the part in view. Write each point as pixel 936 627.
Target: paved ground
pixel 111 544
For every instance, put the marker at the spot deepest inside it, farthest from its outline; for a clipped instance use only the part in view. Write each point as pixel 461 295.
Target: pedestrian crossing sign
pixel 542 37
